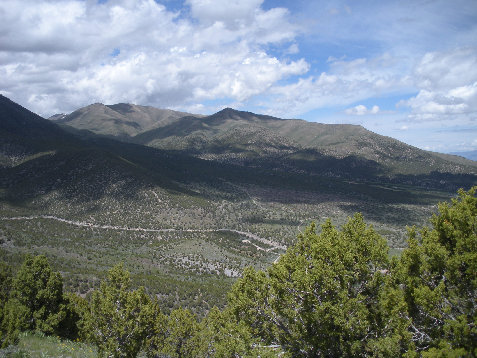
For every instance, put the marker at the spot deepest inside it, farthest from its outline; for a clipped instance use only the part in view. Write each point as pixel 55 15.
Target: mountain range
pixel 187 201
pixel 252 140
pixel 471 154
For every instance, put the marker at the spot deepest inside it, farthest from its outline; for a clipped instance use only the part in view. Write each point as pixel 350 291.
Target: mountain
pixel 472 154
pixel 186 222
pixel 23 134
pixel 231 135
pixel 332 150
pixel 88 202
pixel 120 120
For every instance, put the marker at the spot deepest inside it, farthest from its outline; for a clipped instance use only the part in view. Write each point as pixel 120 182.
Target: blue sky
pixel 405 69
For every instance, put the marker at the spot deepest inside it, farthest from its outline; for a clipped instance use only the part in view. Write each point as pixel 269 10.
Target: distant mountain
pixel 472 155
pixel 57 117
pixel 252 140
pixel 120 120
pixel 234 136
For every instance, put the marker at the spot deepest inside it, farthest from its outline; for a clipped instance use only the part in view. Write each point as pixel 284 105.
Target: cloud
pixel 345 82
pixel 298 61
pixel 447 83
pixel 57 55
pixel 292 50
pixel 233 13
pixel 361 110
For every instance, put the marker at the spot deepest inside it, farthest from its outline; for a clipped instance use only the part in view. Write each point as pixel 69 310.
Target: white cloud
pixel 56 55
pixel 361 110
pixel 448 86
pixel 234 13
pixel 345 83
pixel 292 50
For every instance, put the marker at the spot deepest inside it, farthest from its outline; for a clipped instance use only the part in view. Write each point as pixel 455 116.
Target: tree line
pixel 335 293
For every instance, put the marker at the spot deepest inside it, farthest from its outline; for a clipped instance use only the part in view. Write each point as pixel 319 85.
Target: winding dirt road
pixel 274 245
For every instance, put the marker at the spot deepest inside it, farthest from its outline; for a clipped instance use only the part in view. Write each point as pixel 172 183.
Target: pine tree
pixel 35 302
pixel 182 329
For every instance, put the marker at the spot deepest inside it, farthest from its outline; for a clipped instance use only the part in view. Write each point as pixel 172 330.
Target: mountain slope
pixel 183 225
pixel 347 151
pixel 248 139
pixel 24 134
pixel 119 120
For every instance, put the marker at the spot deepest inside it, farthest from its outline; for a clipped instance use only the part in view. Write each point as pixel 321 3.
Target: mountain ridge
pixel 118 120
pixel 246 138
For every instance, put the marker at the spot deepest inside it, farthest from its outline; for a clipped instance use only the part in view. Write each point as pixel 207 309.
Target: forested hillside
pixel 332 294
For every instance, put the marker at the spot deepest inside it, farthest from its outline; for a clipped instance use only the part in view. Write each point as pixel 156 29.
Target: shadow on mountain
pixel 90 167
pixel 180 128
pixel 385 214
pixel 79 176
pixel 436 180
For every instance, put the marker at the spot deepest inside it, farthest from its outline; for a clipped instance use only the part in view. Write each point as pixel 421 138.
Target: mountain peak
pixel 122 107
pixel 230 113
pixel 227 112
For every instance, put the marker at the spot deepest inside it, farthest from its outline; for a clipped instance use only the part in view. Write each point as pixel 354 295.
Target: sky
pixel 404 69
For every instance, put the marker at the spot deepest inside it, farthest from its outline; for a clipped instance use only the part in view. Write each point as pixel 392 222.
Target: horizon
pixel 407 70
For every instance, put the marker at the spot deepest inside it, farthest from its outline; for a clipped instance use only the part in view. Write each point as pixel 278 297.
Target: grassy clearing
pixel 35 345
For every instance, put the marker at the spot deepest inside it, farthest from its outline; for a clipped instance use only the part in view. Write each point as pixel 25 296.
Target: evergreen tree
pixel 35 302
pixel 6 279
pixel 119 318
pixel 40 291
pixel 438 273
pixel 5 287
pixel 220 335
pixel 328 295
pixel 181 335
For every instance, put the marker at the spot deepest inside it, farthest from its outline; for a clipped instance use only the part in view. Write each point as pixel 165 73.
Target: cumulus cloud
pixel 361 110
pixel 448 86
pixel 56 55
pixel 345 82
pixel 233 13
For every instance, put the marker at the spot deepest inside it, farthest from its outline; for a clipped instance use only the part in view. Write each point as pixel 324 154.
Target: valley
pixel 187 217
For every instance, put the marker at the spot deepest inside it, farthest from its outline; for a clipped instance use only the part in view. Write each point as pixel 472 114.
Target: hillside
pixel 472 155
pixel 120 120
pixel 248 139
pixel 24 134
pixel 231 135
pixel 184 226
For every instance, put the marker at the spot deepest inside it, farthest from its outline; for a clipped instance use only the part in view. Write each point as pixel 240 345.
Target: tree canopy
pixel 329 295
pixel 335 293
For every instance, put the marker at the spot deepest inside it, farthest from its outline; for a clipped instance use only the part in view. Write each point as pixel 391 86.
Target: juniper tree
pixel 329 295
pixel 119 318
pixel 438 273
pixel 36 302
